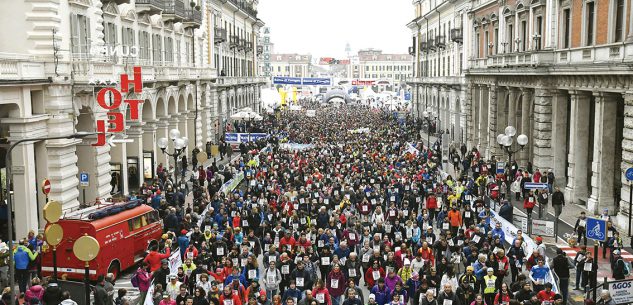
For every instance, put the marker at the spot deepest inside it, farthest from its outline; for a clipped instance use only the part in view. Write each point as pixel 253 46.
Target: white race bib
pixel 285 269
pixel 375 275
pixel 334 283
pixel 325 261
pixel 219 251
pixel 320 298
pixel 352 236
pixel 476 238
pixel 252 274
pixel 352 272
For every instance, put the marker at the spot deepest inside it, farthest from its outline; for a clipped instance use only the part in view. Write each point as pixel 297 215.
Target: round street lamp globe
pixel 511 131
pixel 174 134
pixel 179 143
pixel 162 143
pixel 500 139
pixel 186 141
pixel 507 141
pixel 522 140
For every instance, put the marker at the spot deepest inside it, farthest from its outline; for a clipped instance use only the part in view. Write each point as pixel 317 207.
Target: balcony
pixel 457 35
pixel 219 35
pixel 150 6
pixel 260 50
pixel 241 44
pixel 431 44
pixel 234 41
pixel 194 18
pixel 244 7
pixel 423 46
pixel 440 41
pixel 174 10
pixel 118 2
pixel 248 47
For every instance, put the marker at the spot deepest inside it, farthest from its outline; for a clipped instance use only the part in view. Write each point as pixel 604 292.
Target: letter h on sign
pixel 116 118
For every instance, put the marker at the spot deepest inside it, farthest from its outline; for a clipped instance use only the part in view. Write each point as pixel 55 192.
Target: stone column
pixel 199 130
pixel 61 157
pixel 135 150
pixel 502 114
pixel 483 121
pixel 513 101
pixel 630 36
pixel 476 106
pixel 559 137
pixel 467 116
pixel 149 145
pixel 542 131
pixel 627 160
pixel 493 148
pixel 526 113
pixel 576 190
pixel 602 165
pixel 118 154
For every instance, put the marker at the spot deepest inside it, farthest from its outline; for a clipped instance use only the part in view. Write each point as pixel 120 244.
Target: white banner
pixel 149 298
pixel 311 113
pixel 622 291
pixel 175 261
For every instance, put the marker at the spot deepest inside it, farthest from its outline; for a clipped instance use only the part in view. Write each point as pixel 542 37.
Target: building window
pixel 169 50
pixel 524 35
pixel 619 20
pixel 589 24
pixel 539 33
pixel 566 27
pixel 496 41
pixel 144 46
pixel 510 37
pixel 157 50
pixel 477 44
pixel 486 44
pixel 80 36
pixel 110 37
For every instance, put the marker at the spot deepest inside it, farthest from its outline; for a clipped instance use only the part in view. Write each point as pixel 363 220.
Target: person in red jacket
pixel 374 273
pixel 320 293
pixel 431 205
pixel 287 240
pixel 154 257
pixel 529 202
pixel 228 297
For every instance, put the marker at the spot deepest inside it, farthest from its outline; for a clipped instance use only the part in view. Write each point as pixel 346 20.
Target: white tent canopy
pixel 246 115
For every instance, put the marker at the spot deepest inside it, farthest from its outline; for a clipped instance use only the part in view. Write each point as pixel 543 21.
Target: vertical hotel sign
pixel 116 119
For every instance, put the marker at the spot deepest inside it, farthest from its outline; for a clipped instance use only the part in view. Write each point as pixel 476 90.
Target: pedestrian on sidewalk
pixel 579 262
pixel 542 199
pixel 529 202
pixel 617 266
pixel 580 227
pixel 558 202
pixel 516 188
pixel 561 268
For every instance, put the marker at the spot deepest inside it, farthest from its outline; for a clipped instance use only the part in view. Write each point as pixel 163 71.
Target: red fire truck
pixel 124 231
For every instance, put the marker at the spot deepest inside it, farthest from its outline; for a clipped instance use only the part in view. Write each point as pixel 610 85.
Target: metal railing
pixel 219 35
pixel 174 7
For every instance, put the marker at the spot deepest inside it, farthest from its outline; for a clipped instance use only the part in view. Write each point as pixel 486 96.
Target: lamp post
pixel 8 165
pixel 179 147
pixel 505 141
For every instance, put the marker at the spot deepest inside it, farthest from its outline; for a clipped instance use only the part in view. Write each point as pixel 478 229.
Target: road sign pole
pixel 630 206
pixel 595 274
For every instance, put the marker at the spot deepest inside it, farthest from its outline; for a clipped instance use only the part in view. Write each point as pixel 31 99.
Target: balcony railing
pixel 457 35
pixel 246 8
pixel 431 44
pixel 248 47
pixel 241 44
pixel 440 41
pixel 174 9
pixel 150 6
pixel 219 35
pixel 412 51
pixel 260 50
pixel 423 46
pixel 234 42
pixel 194 18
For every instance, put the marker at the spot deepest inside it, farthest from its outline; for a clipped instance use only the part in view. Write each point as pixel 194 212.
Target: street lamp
pixel 505 141
pixel 179 147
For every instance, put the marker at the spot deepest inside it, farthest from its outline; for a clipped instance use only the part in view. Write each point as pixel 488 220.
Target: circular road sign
pixel 629 173
pixel 46 186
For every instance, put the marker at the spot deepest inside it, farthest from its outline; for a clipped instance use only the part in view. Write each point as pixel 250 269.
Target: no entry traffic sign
pixel 46 187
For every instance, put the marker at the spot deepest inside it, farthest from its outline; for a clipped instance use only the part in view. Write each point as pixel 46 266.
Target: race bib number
pixel 244 223
pixel 451 243
pixel 285 269
pixel 228 302
pixel 467 214
pixel 190 255
pixel 445 226
pixel 300 282
pixel 476 238
pixel 334 283
pixel 582 223
pixel 320 243
pixel 352 236
pixel 447 302
pixel 429 239
pixel 365 208
pixel 352 272
pixel 219 251
pixel 405 212
pixel 587 267
pixel 272 259
pixel 365 258
pixel 392 213
pixel 252 274
pixel 320 297
pixel 501 265
pixel 375 275
pixel 325 261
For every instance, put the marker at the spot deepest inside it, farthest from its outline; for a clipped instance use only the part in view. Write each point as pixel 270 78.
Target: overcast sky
pixel 323 27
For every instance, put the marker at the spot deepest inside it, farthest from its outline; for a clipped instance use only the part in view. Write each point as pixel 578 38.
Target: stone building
pixel 199 62
pixel 560 72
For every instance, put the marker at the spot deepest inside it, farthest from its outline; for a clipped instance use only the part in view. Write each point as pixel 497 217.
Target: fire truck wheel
pixel 115 269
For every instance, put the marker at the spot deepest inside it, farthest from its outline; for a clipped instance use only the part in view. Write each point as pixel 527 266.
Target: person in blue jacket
pixel 497 231
pixel 236 275
pixel 480 271
pixel 539 275
pixel 381 292
pixel 22 257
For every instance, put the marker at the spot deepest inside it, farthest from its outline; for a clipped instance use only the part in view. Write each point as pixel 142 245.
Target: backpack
pixel 134 280
pixel 627 268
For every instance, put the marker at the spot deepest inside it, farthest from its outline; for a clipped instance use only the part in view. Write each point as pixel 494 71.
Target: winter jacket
pixel 154 258
pixel 52 294
pixel 383 296
pixel 22 256
pixel 36 291
pixel 336 283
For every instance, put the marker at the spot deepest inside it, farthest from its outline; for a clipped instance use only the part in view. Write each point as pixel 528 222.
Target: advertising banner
pixel 621 291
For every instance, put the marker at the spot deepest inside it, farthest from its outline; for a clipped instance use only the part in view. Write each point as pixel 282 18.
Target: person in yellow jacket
pixel 405 272
pixel 490 288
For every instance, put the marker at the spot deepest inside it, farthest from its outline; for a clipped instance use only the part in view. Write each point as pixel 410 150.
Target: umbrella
pixel 243 115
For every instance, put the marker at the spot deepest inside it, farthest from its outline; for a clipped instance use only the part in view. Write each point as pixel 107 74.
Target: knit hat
pixel 372 296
